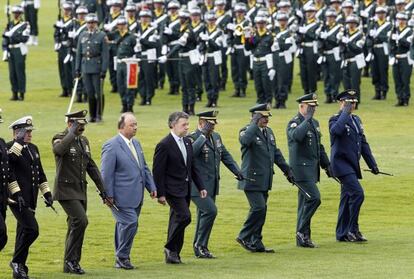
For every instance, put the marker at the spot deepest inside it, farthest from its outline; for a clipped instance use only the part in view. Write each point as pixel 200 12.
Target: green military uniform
pixel 260 45
pixel 283 60
pixel 171 66
pixel 63 47
pixel 259 153
pixel 148 43
pixel 14 50
pixel 377 41
pixel 208 154
pixel 403 52
pixel 306 156
pixel 92 58
pixel 73 161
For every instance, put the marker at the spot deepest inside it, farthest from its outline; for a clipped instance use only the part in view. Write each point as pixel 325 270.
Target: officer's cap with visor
pixel 209 116
pixel 349 95
pixel 24 122
pixel 263 109
pixel 78 116
pixel 310 99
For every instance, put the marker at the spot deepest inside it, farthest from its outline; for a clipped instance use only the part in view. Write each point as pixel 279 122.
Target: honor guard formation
pixel 143 43
pixel 138 46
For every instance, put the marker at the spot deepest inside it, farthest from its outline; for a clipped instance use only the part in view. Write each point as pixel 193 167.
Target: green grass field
pixel 386 217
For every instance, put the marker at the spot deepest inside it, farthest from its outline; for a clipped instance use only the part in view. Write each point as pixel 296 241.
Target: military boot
pixel 21 96
pixel 383 95
pixel 19 271
pixel 236 92
pixel 124 108
pixel 14 97
pixel 185 109
pixel 191 110
pixel 377 95
pixel 243 93
pixel 328 99
pixel 400 103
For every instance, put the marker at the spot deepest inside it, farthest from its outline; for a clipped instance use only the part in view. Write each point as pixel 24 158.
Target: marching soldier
pixel 160 19
pixel 198 27
pixel 306 156
pixel 348 144
pixel 259 153
pixel 347 10
pixel 109 27
pixel 330 38
pixel 131 11
pixel 260 41
pixel 171 66
pixel 73 160
pixel 79 27
pixel 185 45
pixel 25 163
pixel 8 184
pixel 15 50
pixel 239 56
pixel 212 44
pixel 401 59
pixel 377 40
pixel 92 63
pixel 367 13
pixel 64 49
pixel 125 41
pixel 353 53
pixel 308 35
pixel 209 151
pixel 31 10
pixel 148 44
pixel 282 47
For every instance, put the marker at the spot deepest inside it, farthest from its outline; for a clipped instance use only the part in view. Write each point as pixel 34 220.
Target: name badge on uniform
pixel 72 150
pixel 218 143
pixel 87 149
pixel 84 39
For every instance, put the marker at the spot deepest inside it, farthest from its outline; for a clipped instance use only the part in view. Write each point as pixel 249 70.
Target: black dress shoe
pixel 123 263
pixel 202 252
pixel 171 257
pixel 73 267
pixel 19 271
pixel 92 120
pixel 351 237
pixel 260 248
pixel 360 237
pixel 301 240
pixel 246 245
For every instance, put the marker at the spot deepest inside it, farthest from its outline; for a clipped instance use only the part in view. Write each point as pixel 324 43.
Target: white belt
pixel 184 54
pixel 239 46
pixel 350 59
pixel 401 56
pixel 332 51
pixel 308 44
pixel 281 54
pixel 14 46
pixel 210 54
pixel 378 46
pixel 29 2
pixel 144 52
pixel 259 59
pixel 65 43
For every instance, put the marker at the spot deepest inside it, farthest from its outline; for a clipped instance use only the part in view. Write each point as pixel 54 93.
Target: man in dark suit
pixel 174 172
pixel 125 174
pixel 348 143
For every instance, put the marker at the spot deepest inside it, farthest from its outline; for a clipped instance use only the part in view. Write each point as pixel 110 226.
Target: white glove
pixel 168 31
pixel 345 40
pixel 372 33
pixel 302 29
pixel 57 46
pixel 394 37
pixel 164 50
pixel 321 60
pixel 162 59
pixel 293 28
pixel 229 50
pixel 204 36
pixel 247 33
pixel 201 61
pixel 289 40
pixel 271 74
pixel 7 34
pixel 369 57
pixel 153 38
pixel 275 46
pixel 59 24
pixel 323 35
pixel 364 14
pixel 231 26
pixel 182 41
pixel 36 4
pixel 299 13
pixel 360 43
pixel 71 34
pixel 5 55
pixel 391 61
pixel 107 27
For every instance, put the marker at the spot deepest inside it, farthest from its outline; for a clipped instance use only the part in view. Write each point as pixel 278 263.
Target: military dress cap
pixel 347 4
pixel 195 11
pixel 260 19
pixel 335 1
pixel 211 15
pixel 401 16
pixel 17 9
pixel 130 7
pixel 399 2
pixel 240 7
pixel 283 4
pixel 67 5
pixel 380 9
pixel 81 10
pixel 159 2
pixel 173 5
pixel 310 99
pixel 263 109
pixel 219 2
pixel 91 18
pixel 282 16
pixel 79 116
pixel 145 13
pixel 210 116
pixel 148 2
pixel 183 13
pixel 121 20
pixel 24 122
pixel 349 95
pixel 263 13
pixel 330 13
pixel 310 8
pixel 116 3
pixel 352 19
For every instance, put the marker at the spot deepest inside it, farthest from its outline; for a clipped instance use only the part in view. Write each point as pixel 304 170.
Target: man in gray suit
pixel 125 174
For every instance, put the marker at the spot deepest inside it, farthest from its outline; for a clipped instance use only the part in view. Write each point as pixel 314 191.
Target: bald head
pixel 127 125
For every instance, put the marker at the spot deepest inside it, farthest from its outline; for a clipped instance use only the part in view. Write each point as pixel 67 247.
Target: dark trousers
pixel 127 95
pixel 3 228
pixel 332 76
pixel 77 222
pixel 180 218
pixel 199 80
pixel 30 14
pixel 282 79
pixel 187 81
pixel 171 68
pixel 401 72
pixel 379 70
pixel 239 67
pixel 352 197
pixel 206 214
pixel 147 82
pixel 92 83
pixel 65 70
pixel 252 227
pixel 112 72
pixel 211 79
pixel 17 71
pixel 223 68
pixel 351 76
pixel 307 206
pixel 160 73
pixel 27 232
pixel 262 83
pixel 308 70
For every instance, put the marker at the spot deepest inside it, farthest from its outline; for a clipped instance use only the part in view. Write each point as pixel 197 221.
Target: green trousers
pixel 239 67
pixel 307 206
pixel 17 70
pixel 211 73
pixel 147 80
pixel 187 81
pixel 332 75
pixel 252 227
pixel 401 72
pixel 379 70
pixel 206 214
pixel 308 70
pixel 351 77
pixel 262 83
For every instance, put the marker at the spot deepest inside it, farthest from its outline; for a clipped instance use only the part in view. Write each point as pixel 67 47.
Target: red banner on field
pixel 132 75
